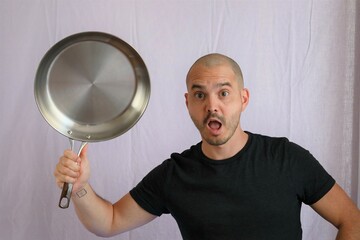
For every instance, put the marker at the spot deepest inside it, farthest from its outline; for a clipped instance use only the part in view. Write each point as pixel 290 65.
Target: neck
pixel 228 149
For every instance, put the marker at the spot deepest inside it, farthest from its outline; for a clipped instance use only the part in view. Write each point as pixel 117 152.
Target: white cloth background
pixel 299 61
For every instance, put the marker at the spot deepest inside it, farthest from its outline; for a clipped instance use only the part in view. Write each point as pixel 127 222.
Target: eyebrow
pixel 197 86
pixel 218 85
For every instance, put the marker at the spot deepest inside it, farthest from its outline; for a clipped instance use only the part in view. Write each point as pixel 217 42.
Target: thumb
pixel 83 153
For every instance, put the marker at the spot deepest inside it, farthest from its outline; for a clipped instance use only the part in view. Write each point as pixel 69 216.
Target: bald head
pixel 216 59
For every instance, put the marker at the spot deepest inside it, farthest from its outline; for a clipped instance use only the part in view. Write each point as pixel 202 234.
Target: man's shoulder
pixel 261 139
pixel 193 151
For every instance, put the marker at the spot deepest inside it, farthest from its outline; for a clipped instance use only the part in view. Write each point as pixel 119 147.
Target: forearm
pixel 350 229
pixel 349 233
pixel 95 213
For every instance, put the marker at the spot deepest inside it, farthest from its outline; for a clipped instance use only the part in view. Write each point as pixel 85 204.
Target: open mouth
pixel 214 124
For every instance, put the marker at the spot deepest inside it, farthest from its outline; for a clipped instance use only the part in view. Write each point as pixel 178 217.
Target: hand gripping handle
pixel 64 201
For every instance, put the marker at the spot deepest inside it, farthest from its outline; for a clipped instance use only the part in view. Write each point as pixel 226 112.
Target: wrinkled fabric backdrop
pixel 300 61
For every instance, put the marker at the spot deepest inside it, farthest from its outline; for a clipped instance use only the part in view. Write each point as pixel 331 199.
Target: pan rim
pixel 100 131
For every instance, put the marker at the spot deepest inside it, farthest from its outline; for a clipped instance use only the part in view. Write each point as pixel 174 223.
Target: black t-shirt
pixel 256 194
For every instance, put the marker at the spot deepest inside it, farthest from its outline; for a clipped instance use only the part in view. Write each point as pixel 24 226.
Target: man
pixel 232 185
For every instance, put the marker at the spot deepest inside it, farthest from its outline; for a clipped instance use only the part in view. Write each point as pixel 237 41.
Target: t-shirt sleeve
pixel 310 179
pixel 149 192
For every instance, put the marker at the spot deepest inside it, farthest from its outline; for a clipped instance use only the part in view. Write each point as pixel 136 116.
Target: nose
pixel 211 105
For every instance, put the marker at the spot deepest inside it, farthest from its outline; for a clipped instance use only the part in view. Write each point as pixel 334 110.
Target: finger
pixel 67 167
pixel 70 154
pixel 60 183
pixel 61 178
pixel 61 172
pixel 69 163
pixel 65 172
pixel 65 179
pixel 83 153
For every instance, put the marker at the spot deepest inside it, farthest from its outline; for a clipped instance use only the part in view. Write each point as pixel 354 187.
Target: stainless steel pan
pixel 91 87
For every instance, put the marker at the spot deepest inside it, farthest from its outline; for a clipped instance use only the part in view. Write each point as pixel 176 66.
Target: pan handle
pixel 64 201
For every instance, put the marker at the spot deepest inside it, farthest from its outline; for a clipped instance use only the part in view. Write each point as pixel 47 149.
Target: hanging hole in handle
pixel 64 202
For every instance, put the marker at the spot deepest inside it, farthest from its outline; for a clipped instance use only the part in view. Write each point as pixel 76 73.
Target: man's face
pixel 215 102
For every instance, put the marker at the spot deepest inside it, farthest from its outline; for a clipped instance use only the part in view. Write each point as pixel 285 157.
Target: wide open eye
pixel 199 95
pixel 224 93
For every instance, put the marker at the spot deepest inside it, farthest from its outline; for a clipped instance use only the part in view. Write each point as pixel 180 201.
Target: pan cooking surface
pixel 91 82
pixel 92 86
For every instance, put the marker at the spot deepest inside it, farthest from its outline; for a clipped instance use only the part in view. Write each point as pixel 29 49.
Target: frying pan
pixel 91 86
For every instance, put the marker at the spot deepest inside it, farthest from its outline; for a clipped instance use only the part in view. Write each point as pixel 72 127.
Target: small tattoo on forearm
pixel 81 193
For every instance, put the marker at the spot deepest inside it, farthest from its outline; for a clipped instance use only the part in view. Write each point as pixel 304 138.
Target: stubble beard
pixel 230 125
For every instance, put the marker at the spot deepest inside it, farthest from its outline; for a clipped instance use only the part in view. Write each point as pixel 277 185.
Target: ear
pixel 245 97
pixel 186 95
